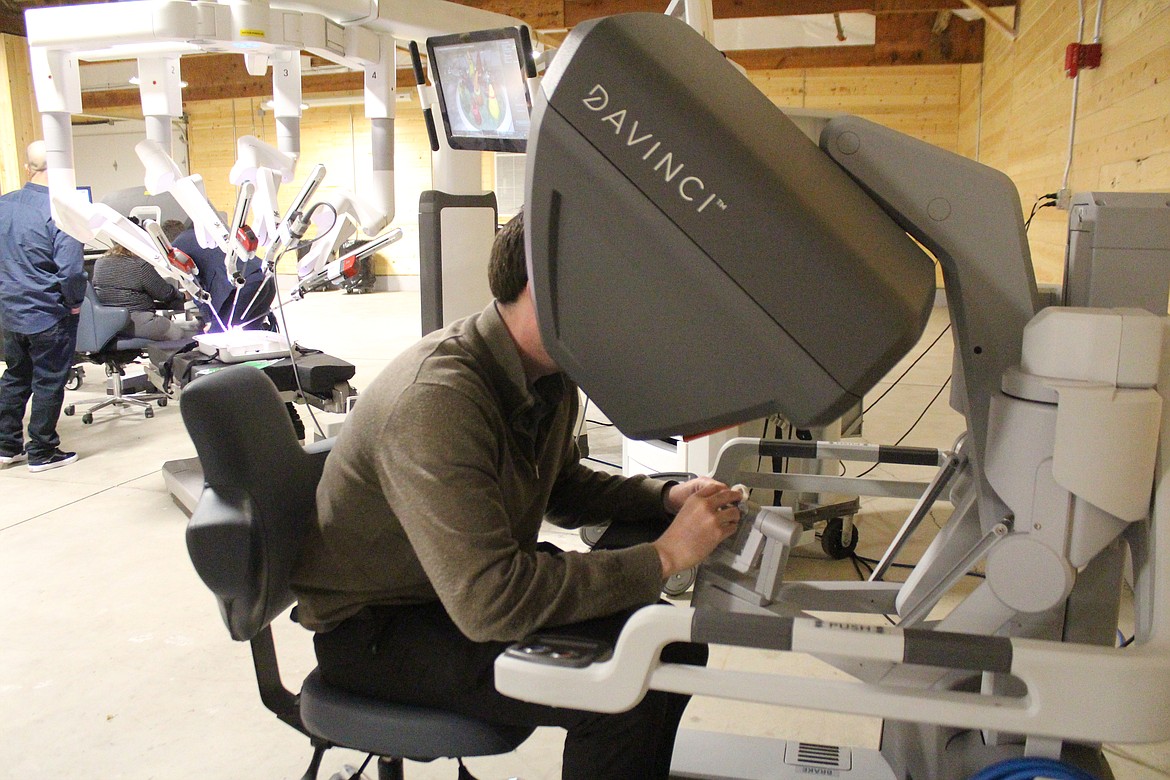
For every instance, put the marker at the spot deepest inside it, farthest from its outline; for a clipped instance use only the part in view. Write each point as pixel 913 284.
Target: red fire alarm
pixel 1081 56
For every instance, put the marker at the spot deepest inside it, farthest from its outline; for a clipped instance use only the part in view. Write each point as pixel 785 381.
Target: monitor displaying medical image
pixel 483 93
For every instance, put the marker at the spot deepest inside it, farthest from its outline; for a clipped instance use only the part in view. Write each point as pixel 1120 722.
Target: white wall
pixel 104 157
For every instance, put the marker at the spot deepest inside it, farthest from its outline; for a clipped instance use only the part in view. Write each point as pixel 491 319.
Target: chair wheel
pixel 73 381
pixel 680 583
pixel 148 412
pixel 591 533
pixel 87 419
pixel 162 402
pixel 69 410
pixel 831 539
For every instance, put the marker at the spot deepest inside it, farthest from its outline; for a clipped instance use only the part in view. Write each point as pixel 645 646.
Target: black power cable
pixel 1043 202
pixel 912 425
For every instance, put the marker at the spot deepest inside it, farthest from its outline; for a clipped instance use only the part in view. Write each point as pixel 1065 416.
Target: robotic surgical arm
pixel 296 220
pixel 97 222
pixel 264 168
pixel 163 175
pixel 259 171
pixel 236 241
pixel 348 214
pixel 345 267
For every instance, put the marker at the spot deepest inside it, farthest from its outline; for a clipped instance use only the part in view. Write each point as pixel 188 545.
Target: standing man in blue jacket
pixel 42 285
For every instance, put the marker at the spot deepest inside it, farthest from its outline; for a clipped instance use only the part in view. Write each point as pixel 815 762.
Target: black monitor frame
pixel 485 143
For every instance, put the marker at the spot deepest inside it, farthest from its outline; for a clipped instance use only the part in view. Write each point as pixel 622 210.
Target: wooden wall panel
pixel 1017 119
pixel 19 120
pixel 922 101
pixel 967 140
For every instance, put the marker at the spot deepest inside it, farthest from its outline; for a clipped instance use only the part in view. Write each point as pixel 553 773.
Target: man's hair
pixel 508 265
pixel 171 228
pixel 37 161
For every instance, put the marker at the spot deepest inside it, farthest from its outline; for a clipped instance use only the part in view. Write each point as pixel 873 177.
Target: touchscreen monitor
pixel 482 89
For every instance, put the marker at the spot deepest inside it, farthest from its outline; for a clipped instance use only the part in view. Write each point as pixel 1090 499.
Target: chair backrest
pixel 98 324
pixel 259 495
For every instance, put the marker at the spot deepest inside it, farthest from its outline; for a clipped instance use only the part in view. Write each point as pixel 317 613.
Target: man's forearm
pixel 583 496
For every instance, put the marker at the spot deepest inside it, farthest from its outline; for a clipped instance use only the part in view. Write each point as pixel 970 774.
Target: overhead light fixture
pixel 270 105
pixel 138 82
pixel 790 32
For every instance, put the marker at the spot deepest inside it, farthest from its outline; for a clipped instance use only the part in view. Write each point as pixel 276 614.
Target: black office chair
pixel 258 501
pixel 98 342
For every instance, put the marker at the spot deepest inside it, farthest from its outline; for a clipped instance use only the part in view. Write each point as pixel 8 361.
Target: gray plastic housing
pixel 1116 255
pixel 696 260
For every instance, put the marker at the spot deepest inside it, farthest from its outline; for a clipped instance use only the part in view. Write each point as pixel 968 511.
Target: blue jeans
pixel 37 366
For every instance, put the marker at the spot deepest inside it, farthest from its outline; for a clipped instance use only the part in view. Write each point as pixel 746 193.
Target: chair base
pixel 118 399
pixel 389 768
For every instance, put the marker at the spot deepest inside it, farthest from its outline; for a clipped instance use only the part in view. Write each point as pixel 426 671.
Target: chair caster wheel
pixel 162 402
pixel 680 583
pixel 69 410
pixel 87 419
pixel 148 412
pixel 590 534
pixel 831 540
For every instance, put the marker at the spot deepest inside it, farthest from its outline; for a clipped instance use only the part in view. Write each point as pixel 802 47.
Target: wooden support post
pixel 19 120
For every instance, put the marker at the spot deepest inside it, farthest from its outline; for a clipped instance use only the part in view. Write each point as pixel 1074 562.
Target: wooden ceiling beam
pixel 12 24
pixel 904 39
pixel 739 9
pixel 577 11
pixel 539 14
pixel 557 14
pixel 910 39
pixel 903 28
pixel 929 6
pixel 222 76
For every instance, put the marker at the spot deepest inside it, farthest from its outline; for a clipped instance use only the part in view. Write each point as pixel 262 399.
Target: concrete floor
pixel 113 659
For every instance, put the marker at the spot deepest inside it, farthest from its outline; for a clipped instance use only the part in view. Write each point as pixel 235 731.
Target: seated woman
pixel 122 279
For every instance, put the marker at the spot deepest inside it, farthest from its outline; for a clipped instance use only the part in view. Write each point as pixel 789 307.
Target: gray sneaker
pixel 7 459
pixel 55 461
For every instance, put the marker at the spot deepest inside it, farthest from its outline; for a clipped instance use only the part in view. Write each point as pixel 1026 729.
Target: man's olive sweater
pixel 437 486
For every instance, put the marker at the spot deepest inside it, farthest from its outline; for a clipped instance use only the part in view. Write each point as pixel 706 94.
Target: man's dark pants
pixel 37 366
pixel 416 655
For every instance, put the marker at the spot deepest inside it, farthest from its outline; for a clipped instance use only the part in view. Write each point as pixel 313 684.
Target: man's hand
pixel 708 515
pixel 674 498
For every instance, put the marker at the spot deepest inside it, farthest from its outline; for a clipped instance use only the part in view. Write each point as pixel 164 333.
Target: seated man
pixel 227 306
pixel 123 279
pixel 424 564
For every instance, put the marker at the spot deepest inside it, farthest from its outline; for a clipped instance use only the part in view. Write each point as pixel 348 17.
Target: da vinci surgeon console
pixel 666 189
